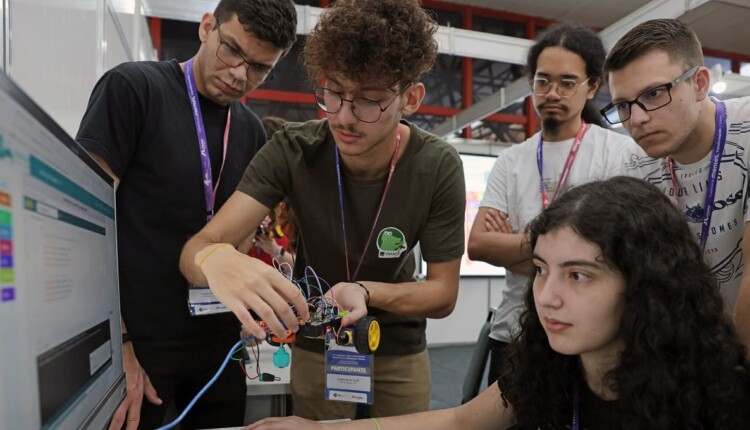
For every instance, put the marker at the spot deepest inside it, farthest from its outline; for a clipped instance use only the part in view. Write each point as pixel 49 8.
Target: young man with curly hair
pixel 659 89
pixel 367 187
pixel 144 123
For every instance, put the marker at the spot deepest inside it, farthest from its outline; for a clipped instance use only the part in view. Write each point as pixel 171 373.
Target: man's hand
pixel 497 221
pixel 268 245
pixel 241 283
pixel 351 297
pixel 138 385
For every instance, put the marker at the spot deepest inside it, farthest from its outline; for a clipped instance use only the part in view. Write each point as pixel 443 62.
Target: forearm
pixel 427 299
pixel 196 250
pixel 433 420
pixel 525 268
pixel 502 249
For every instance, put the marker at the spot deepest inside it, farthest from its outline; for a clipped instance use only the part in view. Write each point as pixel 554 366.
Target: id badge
pixel 201 301
pixel 348 373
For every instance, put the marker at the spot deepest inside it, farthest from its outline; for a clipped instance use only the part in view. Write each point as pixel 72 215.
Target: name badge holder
pixel 201 300
pixel 349 376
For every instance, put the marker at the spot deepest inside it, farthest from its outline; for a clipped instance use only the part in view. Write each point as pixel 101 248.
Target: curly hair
pixel 669 35
pixel 374 41
pixel 683 365
pixel 274 21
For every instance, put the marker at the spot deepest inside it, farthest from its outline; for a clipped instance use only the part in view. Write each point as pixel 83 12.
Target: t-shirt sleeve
pixel 624 156
pixel 267 178
pixel 496 193
pixel 443 237
pixel 112 122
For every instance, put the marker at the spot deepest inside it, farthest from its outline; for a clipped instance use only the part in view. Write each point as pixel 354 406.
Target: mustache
pixel 347 130
pixel 547 105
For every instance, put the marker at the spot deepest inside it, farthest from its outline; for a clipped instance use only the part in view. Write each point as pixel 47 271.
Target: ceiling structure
pixel 721 25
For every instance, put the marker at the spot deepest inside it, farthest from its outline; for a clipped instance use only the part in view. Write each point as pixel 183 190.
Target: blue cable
pixel 205 388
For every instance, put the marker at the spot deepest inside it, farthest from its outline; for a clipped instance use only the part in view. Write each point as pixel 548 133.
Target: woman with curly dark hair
pixel 673 360
pixel 624 328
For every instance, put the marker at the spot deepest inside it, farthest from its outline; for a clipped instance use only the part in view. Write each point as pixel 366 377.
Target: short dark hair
pixel 576 39
pixel 669 35
pixel 683 365
pixel 380 41
pixel 273 21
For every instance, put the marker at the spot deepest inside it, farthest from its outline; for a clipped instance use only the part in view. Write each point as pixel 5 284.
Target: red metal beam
pixel 467 74
pixel 507 118
pixel 279 96
pixel 735 58
pixel 155 26
pixel 490 13
pixel 533 121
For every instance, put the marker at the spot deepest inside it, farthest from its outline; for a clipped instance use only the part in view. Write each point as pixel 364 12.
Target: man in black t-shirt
pixel 367 187
pixel 176 139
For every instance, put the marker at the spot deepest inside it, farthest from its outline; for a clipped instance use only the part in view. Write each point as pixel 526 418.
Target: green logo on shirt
pixel 391 243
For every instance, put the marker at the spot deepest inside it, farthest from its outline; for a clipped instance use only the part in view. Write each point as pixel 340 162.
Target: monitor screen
pixel 60 344
pixel 477 169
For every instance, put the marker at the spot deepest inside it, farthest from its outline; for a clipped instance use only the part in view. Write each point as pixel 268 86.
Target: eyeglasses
pixel 649 100
pixel 565 88
pixel 256 73
pixel 365 110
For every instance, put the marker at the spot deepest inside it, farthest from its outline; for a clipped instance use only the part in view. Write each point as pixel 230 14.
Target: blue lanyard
pixel 209 189
pixel 717 149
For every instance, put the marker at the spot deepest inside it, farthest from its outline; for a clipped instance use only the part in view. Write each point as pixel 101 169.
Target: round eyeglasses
pixel 256 73
pixel 649 100
pixel 565 87
pixel 365 110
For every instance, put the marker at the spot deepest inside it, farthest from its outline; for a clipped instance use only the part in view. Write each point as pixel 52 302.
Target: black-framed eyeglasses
pixel 365 110
pixel 565 87
pixel 256 73
pixel 649 100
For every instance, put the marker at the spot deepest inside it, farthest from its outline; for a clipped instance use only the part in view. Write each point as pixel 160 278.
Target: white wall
pixel 475 297
pixel 57 49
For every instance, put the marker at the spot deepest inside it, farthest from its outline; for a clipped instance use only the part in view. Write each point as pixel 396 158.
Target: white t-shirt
pixel 723 251
pixel 513 188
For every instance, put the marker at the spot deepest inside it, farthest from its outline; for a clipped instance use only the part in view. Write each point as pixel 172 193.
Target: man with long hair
pixel 564 68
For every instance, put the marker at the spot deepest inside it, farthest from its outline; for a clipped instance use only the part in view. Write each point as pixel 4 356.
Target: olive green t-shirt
pixel 424 205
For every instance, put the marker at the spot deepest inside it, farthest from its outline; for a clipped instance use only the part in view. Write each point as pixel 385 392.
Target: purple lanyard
pixel 576 421
pixel 566 168
pixel 717 149
pixel 209 189
pixel 394 158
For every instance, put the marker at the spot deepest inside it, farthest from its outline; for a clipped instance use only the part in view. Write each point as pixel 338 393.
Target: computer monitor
pixel 60 343
pixel 477 169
